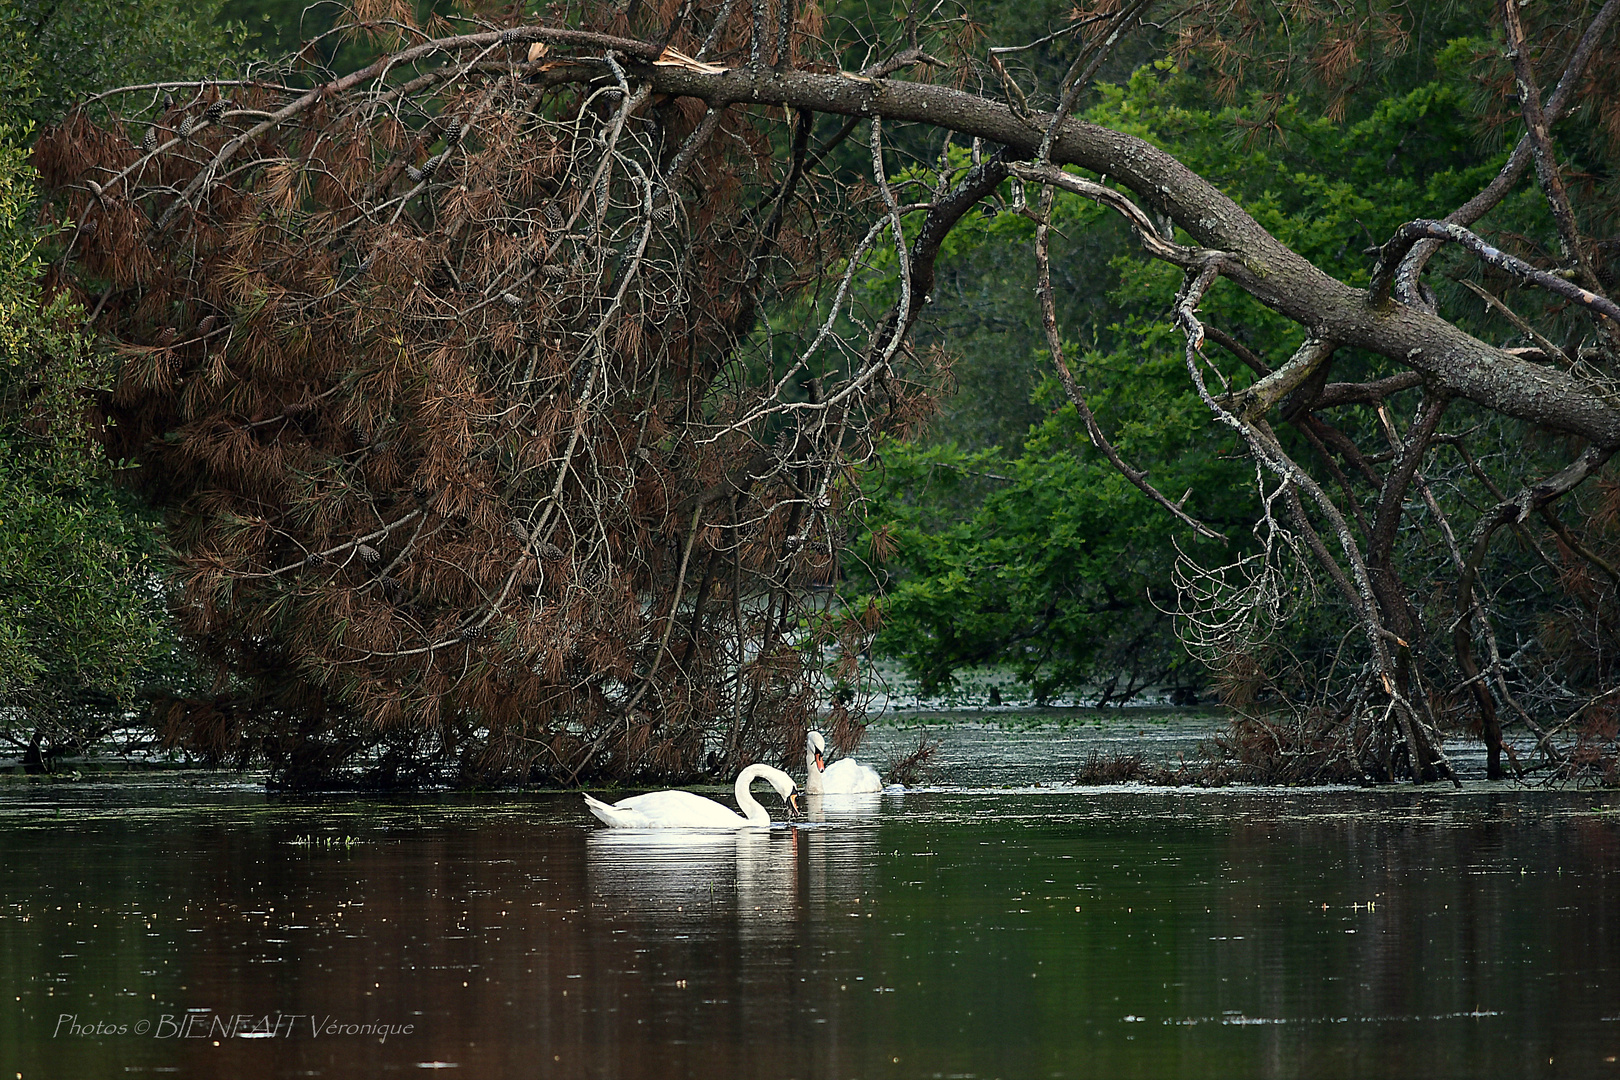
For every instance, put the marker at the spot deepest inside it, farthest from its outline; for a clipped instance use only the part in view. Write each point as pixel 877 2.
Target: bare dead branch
pixel 1391 254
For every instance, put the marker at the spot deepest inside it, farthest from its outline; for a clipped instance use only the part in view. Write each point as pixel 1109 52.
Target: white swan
pixel 846 777
pixel 684 810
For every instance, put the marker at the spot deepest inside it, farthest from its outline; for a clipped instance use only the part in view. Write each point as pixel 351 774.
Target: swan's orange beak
pixel 821 766
pixel 793 803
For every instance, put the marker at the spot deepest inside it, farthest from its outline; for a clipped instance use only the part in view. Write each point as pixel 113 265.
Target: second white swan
pixel 846 777
pixel 684 810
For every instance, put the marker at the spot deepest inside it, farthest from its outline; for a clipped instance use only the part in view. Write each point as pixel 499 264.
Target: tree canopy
pixel 511 395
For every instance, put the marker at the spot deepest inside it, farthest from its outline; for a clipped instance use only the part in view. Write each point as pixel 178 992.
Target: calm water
pixel 954 932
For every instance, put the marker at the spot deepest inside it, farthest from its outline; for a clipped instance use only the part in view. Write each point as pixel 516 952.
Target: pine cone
pixel 368 553
pixel 511 300
pixel 185 128
pixel 215 111
pixel 549 551
pixel 149 140
pixel 554 216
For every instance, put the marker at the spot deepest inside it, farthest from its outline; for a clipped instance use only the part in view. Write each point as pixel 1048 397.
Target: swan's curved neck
pixel 812 775
pixel 746 802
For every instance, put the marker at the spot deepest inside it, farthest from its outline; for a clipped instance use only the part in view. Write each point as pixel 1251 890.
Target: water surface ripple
pixel 955 932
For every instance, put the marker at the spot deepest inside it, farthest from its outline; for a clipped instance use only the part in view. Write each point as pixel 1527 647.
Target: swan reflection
pixel 659 869
pixel 839 808
pixel 762 883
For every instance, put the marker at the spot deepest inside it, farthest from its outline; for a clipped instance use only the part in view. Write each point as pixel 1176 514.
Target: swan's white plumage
pixel 846 777
pixel 684 810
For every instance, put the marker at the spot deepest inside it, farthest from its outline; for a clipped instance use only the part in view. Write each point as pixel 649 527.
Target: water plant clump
pixel 912 767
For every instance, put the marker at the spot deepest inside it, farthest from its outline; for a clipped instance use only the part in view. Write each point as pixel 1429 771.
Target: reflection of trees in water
pixel 1472 891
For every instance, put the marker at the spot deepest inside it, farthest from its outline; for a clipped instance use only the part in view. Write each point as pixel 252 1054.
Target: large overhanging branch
pixel 1264 267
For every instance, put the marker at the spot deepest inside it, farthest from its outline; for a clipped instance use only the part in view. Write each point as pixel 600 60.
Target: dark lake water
pixel 974 929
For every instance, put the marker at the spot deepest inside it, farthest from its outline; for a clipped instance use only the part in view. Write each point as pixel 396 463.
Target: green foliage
pixel 81 609
pixel 277 27
pixel 1060 568
pixel 83 630
pixel 58 51
pixel 1046 576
